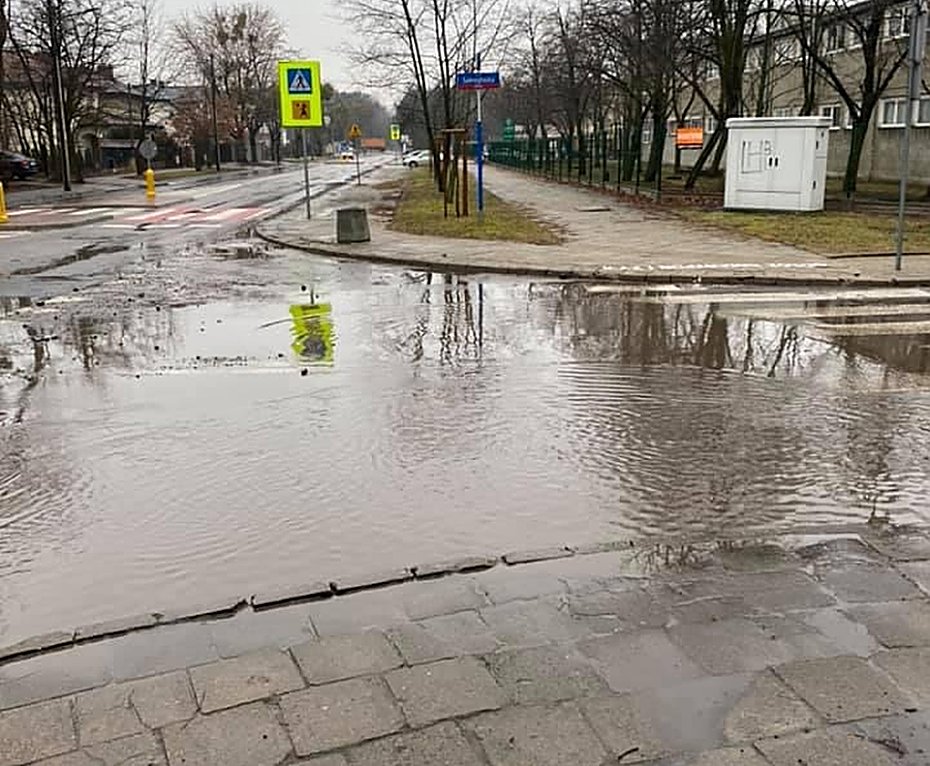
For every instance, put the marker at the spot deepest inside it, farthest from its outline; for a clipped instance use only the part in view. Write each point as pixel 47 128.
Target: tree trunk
pixel 856 143
pixel 657 150
pixel 698 166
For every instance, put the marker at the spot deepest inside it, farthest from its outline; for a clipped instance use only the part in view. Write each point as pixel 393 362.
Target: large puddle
pixel 162 454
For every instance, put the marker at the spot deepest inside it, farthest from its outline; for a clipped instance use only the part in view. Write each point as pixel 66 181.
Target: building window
pixel 836 37
pixel 893 113
pixel 835 113
pixel 898 23
pixel 785 111
pixel 923 113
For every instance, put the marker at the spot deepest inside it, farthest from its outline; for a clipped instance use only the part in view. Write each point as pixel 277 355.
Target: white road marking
pixel 155 214
pixel 11 234
pixel 205 226
pixel 28 211
pixel 118 226
pixel 215 190
pixel 89 211
pixel 795 297
pixel 230 213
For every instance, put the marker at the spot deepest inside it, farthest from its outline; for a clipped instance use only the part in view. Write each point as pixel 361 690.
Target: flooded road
pixel 229 422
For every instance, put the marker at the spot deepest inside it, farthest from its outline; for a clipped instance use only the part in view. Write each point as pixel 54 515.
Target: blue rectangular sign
pixel 477 80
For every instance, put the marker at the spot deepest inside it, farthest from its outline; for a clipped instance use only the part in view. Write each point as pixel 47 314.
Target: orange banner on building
pixel 689 138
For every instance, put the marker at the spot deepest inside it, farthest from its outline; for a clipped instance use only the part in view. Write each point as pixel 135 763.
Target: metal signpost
pixel 301 101
pixel 148 149
pixel 915 60
pixel 479 82
pixel 355 133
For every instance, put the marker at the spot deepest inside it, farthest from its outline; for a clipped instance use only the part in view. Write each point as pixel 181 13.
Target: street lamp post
pixel 216 130
pixel 54 25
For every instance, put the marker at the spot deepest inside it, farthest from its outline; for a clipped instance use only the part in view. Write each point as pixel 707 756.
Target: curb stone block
pixel 115 627
pixel 541 554
pixel 37 644
pixel 465 564
pixel 286 594
pixel 352 583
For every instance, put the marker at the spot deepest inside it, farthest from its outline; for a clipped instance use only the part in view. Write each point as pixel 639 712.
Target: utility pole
pixel 915 59
pixel 216 129
pixel 53 11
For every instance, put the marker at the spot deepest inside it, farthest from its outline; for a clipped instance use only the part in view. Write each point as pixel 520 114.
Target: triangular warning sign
pixel 298 81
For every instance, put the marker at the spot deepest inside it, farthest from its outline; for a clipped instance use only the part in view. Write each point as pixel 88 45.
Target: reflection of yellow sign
pixel 395 132
pixel 355 131
pixel 313 332
pixel 301 92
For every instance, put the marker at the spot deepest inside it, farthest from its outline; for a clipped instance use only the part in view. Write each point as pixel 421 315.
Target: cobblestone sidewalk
pixel 813 651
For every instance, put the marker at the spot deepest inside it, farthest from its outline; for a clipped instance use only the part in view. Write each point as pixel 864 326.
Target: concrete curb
pixel 77 223
pixel 341 587
pixel 329 250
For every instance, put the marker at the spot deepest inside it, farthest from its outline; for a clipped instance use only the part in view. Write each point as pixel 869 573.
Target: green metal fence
pixel 610 158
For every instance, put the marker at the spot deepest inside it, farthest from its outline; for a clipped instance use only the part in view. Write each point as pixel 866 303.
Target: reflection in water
pixel 453 416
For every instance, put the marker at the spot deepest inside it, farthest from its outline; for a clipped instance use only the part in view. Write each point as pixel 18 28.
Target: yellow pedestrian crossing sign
pixel 301 94
pixel 395 132
pixel 355 131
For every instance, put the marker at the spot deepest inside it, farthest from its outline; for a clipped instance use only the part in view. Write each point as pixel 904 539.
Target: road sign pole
pixel 479 159
pixel 303 151
pixel 358 166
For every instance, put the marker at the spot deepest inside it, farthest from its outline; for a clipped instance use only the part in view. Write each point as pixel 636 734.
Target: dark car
pixel 17 166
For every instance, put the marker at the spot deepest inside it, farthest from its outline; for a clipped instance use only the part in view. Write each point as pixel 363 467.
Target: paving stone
pixel 445 689
pixel 772 591
pixel 538 736
pixel 635 608
pixel 896 624
pixel 357 612
pixel 138 750
pixel 243 679
pixel 39 731
pixel 105 714
pixel 243 736
pixel 334 759
pixel 161 700
pixel 691 716
pixel 906 737
pixel 115 627
pixel 163 649
pixel 504 585
pixel 75 758
pixel 858 583
pixel 640 660
pixel 334 659
pixel 545 674
pixel 753 557
pixel 902 546
pixel 621 726
pixel 797 639
pixel 844 688
pixel 825 747
pixel 23 682
pixel 284 593
pixel 847 636
pixel 731 756
pixel 439 597
pixel 768 708
pixel 919 572
pixel 730 646
pixel 910 669
pixel 37 643
pixel 532 623
pixel 249 631
pixel 711 609
pixel 463 564
pixel 439 745
pixel 443 637
pixel 336 715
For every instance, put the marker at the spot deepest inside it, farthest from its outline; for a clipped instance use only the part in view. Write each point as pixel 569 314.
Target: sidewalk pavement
pixel 810 649
pixel 605 238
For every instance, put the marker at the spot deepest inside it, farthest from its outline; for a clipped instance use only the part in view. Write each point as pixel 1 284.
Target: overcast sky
pixel 314 28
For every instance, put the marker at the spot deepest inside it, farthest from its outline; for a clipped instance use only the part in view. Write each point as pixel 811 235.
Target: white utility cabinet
pixel 776 163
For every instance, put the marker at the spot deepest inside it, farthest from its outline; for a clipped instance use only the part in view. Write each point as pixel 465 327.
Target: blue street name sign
pixel 477 80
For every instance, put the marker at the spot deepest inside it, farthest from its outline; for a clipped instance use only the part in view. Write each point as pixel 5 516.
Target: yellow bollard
pixel 3 215
pixel 150 184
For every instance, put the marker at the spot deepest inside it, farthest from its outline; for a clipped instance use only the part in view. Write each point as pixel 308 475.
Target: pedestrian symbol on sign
pixel 299 81
pixel 300 110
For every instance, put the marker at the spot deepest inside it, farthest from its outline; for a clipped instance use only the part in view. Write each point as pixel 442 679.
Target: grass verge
pixel 419 211
pixel 829 233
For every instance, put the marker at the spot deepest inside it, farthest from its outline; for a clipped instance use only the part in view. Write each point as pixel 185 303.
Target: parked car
pixel 17 166
pixel 416 158
pixel 347 155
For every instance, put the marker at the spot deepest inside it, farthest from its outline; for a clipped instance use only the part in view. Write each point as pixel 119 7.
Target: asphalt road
pixel 38 259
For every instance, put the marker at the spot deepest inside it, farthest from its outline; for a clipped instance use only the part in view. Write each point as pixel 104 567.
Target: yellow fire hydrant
pixel 150 184
pixel 3 215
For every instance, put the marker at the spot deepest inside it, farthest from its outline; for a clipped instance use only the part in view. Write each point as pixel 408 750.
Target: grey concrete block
pixel 283 594
pixel 910 669
pixel 105 714
pixel 357 612
pixel 442 744
pixel 907 737
pixel 334 659
pixel 37 644
pixel 218 606
pixel 504 585
pixel 52 675
pixel 896 624
pixel 532 623
pixel 249 631
pixel 252 677
pixel 635 609
pixel 754 557
pixel 919 572
pixel 730 646
pixel 336 715
pixel 844 688
pixel 160 650
pixel 868 583
pixel 640 660
pixel 438 597
pixel 548 736
pixel 74 758
pixel 162 700
pixel 625 731
pixel 901 546
pixel 712 609
pixel 243 736
pixel 771 591
pixel 768 708
pixel 847 636
pixel 351 583
pixel 463 564
pixel 334 759
pixel 545 674
pixel 352 225
pixel 443 637
pixel 825 747
pixel 138 750
pixel 115 627
pixel 540 554
pixel 730 756
pixel 39 731
pixel 445 689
